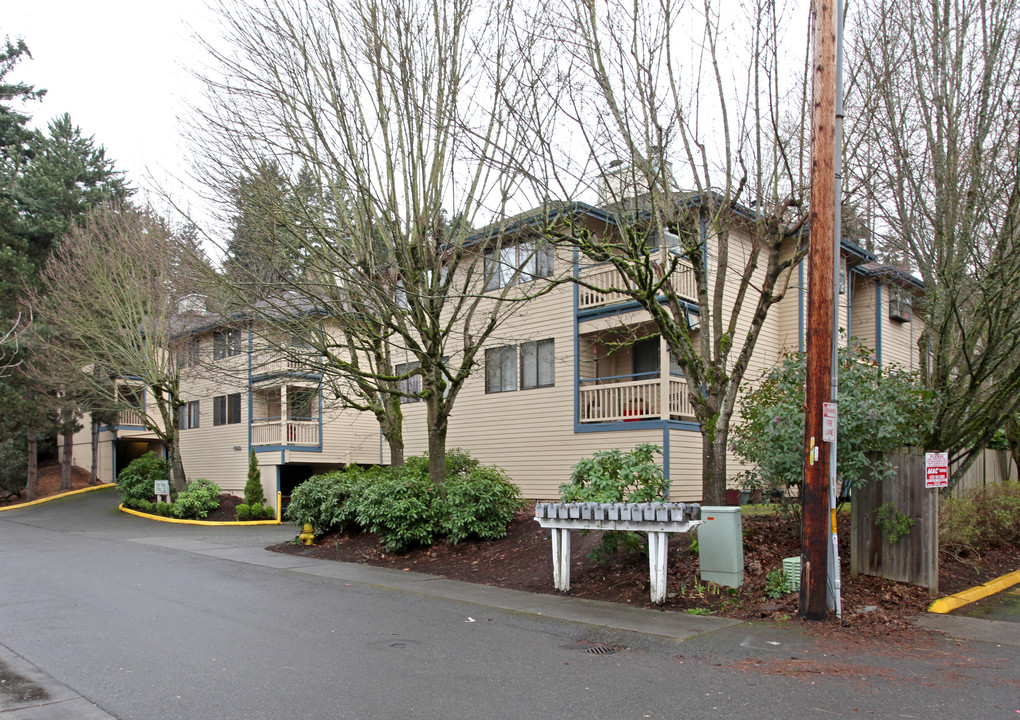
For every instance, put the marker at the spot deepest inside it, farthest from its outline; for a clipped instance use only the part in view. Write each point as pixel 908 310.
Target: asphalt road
pixel 142 620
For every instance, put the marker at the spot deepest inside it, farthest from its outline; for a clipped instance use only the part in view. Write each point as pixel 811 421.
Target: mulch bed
pixel 49 483
pixel 872 607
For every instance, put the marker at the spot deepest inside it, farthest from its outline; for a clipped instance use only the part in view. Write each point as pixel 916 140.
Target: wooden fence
pixel 912 558
pixel 994 466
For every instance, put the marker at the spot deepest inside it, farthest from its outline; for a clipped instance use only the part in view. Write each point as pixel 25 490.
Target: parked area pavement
pixel 121 617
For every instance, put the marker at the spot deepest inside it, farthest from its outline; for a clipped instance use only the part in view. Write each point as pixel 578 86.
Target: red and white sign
pixel 829 414
pixel 936 470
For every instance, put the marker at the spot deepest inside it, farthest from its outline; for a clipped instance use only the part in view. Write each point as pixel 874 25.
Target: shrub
pixel 197 499
pixel 617 476
pixel 135 482
pixel 329 502
pixel 146 506
pixel 253 495
pixel 13 466
pixel 481 501
pixel 243 512
pixel 988 518
pixel 881 408
pixel 164 509
pixel 405 508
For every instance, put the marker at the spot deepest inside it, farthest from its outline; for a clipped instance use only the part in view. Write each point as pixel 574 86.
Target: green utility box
pixel 721 545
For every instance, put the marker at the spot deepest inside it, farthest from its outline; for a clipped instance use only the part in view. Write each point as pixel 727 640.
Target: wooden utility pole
pixel 815 495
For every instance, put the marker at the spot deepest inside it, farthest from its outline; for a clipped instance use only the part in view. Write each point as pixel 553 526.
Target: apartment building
pixel 568 374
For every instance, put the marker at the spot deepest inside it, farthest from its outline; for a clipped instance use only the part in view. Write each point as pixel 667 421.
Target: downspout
pixel 800 306
pixel 577 343
pixel 878 323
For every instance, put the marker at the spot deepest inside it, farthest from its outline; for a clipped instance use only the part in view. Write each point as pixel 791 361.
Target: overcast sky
pixel 117 66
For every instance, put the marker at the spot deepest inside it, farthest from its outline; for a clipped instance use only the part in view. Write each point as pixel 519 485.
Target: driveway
pixel 144 620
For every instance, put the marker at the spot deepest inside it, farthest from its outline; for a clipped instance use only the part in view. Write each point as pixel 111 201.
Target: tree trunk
pixel 32 481
pixel 177 477
pixel 396 446
pixel 391 419
pixel 437 444
pixel 66 455
pixel 713 466
pixel 94 469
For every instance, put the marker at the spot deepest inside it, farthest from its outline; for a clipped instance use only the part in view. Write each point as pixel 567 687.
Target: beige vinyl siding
pixel 862 323
pixel 899 339
pixel 81 451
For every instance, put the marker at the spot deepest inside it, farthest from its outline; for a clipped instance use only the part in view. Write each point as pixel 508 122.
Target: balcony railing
pixel 625 399
pixel 275 431
pixel 265 367
pixel 606 276
pixel 130 417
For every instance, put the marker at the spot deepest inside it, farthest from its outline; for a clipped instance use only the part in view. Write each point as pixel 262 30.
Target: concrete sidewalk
pixel 679 626
pixel 27 693
pixel 675 625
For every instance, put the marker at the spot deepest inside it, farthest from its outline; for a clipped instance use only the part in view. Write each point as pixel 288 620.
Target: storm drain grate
pixel 601 650
pixel 594 648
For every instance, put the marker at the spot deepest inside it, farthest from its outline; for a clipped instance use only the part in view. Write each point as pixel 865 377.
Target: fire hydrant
pixel 307 535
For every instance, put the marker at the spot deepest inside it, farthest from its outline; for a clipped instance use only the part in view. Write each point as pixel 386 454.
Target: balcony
pixel 628 398
pixel 130 418
pixel 605 275
pixel 276 431
pixel 266 368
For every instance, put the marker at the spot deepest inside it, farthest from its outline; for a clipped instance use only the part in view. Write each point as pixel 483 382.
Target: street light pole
pixel 815 495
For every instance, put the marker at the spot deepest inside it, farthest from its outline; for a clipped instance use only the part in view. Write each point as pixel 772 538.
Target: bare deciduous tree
pixel 394 113
pixel 939 127
pixel 111 295
pixel 651 105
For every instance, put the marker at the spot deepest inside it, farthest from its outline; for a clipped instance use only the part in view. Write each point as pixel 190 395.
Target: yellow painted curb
pixel 965 597
pixel 102 486
pixel 210 523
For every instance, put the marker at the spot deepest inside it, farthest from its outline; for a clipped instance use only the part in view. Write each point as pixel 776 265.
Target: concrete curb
pixel 965 597
pixel 103 486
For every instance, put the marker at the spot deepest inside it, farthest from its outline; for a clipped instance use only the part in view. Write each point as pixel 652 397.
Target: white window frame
pixel 224 407
pixel 501 362
pixel 544 372
pixel 190 415
pixel 226 343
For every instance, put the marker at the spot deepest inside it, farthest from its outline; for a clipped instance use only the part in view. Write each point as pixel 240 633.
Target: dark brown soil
pixel 872 607
pixel 227 510
pixel 49 483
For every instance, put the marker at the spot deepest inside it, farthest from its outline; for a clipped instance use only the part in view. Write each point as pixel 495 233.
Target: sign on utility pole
pixel 821 257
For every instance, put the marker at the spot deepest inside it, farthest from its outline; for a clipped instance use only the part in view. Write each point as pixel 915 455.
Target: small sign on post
pixel 162 488
pixel 829 416
pixel 936 470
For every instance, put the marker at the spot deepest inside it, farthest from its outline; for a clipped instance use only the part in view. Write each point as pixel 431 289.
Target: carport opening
pixel 128 450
